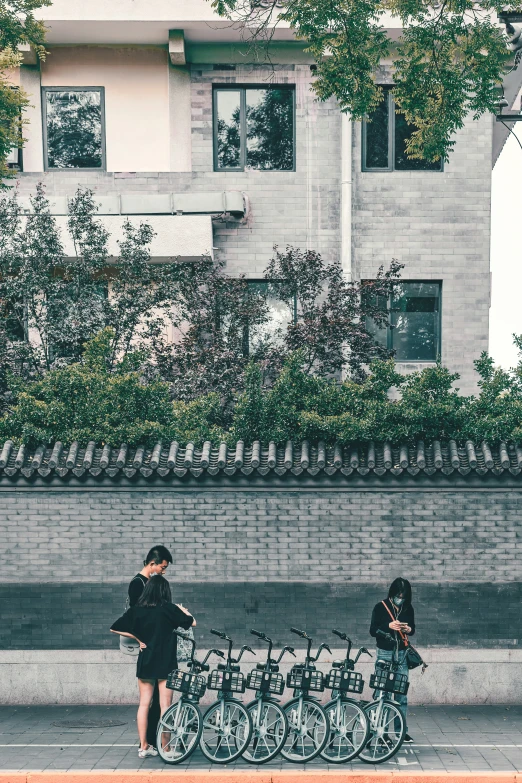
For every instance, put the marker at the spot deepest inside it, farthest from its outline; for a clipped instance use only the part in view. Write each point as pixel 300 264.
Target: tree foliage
pixel 448 63
pixel 95 399
pixel 18 25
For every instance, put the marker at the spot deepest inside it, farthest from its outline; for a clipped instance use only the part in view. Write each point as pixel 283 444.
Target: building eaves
pixel 170 460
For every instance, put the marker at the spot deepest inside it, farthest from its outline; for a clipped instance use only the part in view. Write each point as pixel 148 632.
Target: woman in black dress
pixel 151 622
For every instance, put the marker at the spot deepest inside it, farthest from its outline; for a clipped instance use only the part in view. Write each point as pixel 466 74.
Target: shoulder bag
pixel 413 657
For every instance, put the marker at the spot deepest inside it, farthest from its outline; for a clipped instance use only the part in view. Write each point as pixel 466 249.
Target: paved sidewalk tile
pixel 447 739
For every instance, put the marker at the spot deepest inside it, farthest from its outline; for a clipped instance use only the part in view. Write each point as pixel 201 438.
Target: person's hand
pixel 143 646
pixel 395 625
pixel 406 628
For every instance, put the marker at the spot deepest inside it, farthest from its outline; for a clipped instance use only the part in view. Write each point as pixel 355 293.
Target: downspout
pixel 346 195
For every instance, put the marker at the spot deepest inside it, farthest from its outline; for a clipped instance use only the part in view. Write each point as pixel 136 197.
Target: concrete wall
pixel 272 559
pixel 136 99
pixel 453 676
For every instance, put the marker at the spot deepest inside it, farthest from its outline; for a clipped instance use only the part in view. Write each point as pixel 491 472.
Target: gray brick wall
pixel 328 536
pixel 276 558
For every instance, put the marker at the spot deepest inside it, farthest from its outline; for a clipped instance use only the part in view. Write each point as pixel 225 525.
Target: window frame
pixel 391 142
pixel 246 331
pixel 390 328
pixel 101 90
pixel 242 88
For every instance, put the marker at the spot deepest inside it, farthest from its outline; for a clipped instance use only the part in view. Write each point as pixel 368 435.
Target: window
pixel 74 130
pixel 280 316
pixel 384 141
pixel 254 128
pixel 13 320
pixel 413 330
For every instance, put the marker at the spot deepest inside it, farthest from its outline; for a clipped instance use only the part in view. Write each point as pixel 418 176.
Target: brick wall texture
pixel 437 224
pixel 267 559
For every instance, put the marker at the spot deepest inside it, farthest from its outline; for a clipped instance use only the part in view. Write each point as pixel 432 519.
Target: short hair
pixel 157 555
pixel 400 586
pixel 155 592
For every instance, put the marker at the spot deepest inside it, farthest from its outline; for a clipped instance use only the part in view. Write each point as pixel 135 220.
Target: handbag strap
pixel 401 634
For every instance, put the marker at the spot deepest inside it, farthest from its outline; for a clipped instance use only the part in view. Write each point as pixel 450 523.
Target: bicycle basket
pixel 228 682
pixel 345 681
pixel 389 681
pixel 187 683
pixel 305 680
pixel 266 682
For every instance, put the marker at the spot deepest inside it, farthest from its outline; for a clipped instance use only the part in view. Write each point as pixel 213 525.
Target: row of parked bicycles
pixel 301 729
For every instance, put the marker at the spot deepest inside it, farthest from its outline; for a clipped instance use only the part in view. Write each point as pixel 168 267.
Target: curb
pixel 257 776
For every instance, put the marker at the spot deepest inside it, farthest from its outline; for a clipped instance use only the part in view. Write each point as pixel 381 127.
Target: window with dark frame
pixel 254 128
pixel 385 134
pixel 281 315
pixel 74 128
pixel 413 329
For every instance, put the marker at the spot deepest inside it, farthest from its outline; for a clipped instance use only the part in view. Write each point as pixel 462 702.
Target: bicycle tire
pixel 288 751
pixel 191 718
pixel 328 753
pixel 366 754
pixel 250 753
pixel 236 713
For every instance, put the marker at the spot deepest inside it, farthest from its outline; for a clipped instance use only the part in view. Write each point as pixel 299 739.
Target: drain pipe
pixel 346 195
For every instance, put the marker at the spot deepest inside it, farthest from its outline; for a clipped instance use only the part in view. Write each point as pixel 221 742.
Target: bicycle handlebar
pixel 260 635
pixel 340 635
pixel 302 634
pixel 221 634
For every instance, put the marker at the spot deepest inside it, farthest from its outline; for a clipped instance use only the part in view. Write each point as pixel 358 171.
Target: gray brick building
pixel 156 96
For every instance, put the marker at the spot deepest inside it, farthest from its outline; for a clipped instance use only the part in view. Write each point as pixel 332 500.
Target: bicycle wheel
pixel 387 731
pixel 309 729
pixel 349 730
pixel 179 732
pixel 227 729
pixel 269 731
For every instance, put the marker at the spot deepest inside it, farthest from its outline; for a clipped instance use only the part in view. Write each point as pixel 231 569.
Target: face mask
pixel 398 601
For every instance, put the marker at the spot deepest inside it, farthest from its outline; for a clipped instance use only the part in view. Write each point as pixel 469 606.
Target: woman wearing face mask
pixel 391 616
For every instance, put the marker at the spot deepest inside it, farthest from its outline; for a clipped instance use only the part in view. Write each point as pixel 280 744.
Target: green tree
pixel 448 62
pixel 17 26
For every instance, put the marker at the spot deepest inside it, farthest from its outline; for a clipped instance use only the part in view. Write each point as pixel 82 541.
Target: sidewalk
pixel 474 739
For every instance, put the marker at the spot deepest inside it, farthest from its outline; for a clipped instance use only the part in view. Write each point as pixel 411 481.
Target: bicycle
pixel 309 726
pixel 269 721
pixel 227 726
pixel 349 724
pixel 387 724
pixel 180 726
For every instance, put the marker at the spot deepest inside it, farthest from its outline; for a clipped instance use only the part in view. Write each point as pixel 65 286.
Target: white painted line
pixel 65 745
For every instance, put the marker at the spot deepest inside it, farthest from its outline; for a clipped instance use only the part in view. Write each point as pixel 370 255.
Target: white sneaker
pixel 149 751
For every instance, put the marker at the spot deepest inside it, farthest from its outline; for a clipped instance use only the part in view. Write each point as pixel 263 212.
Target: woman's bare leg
pixel 146 690
pixel 165 697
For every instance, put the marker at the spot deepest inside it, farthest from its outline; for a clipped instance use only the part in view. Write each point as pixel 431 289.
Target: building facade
pixel 166 113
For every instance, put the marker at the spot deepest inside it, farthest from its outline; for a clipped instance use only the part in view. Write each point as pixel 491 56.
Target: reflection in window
pixel 413 330
pixel 384 140
pixel 12 321
pixel 74 129
pixel 254 128
pixel 228 122
pixel 280 317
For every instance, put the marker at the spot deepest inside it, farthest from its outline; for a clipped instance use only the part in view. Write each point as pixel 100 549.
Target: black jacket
pixel 381 621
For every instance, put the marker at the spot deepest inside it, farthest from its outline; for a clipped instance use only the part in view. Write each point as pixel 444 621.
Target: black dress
pixel 153 625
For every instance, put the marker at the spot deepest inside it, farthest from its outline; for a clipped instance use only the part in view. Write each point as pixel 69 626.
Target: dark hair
pixel 156 592
pixel 157 555
pixel 400 587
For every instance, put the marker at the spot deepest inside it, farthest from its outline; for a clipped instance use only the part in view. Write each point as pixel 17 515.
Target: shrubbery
pixel 95 400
